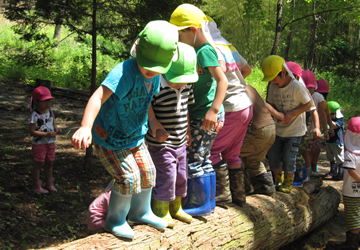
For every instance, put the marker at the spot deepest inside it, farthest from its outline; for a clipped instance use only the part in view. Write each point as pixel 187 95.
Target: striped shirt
pixel 171 108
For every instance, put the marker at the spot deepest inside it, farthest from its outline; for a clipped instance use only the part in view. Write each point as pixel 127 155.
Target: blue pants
pixel 284 151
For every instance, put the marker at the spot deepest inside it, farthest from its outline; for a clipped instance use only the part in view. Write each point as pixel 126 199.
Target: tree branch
pixel 313 14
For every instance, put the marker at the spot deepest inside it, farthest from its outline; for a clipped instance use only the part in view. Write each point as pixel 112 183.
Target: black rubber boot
pixel 340 174
pixel 264 184
pixel 237 186
pixel 351 243
pixel 333 167
pixel 223 194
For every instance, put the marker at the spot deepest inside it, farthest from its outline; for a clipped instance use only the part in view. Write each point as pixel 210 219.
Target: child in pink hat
pixel 351 186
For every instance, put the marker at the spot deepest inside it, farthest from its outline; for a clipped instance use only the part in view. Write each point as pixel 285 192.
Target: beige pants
pixel 255 147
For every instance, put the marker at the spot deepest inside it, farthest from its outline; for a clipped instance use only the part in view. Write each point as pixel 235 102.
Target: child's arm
pixel 156 129
pixel 245 71
pixel 335 126
pixel 315 118
pixel 278 115
pixel 301 109
pixel 188 132
pixel 210 119
pixel 323 119
pixel 354 174
pixel 83 134
pixel 33 132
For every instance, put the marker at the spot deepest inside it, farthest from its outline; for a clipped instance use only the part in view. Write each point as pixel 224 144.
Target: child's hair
pixel 40 93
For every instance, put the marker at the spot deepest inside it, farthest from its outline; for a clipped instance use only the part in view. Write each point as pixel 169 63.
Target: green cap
pixel 157 46
pixel 184 70
pixel 333 106
pixel 271 67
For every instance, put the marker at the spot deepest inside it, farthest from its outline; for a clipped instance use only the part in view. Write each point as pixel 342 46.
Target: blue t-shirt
pixel 122 120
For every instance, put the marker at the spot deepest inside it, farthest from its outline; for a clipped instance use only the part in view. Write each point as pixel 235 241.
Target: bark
pixel 279 9
pixel 263 223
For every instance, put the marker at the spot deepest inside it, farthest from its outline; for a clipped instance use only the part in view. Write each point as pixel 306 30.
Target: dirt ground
pixel 32 221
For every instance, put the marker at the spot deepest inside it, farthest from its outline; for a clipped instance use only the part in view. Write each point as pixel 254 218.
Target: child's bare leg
pixel 36 183
pixel 315 157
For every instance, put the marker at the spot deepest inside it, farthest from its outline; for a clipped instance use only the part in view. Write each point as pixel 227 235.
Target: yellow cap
pixel 187 15
pixel 271 67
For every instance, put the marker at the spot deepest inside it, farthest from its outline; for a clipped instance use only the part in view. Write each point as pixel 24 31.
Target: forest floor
pixel 29 220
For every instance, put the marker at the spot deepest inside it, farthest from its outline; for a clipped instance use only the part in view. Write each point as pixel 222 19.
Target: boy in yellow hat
pixel 290 97
pixel 207 113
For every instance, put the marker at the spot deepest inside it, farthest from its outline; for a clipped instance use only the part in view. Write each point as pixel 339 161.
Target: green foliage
pixel 255 80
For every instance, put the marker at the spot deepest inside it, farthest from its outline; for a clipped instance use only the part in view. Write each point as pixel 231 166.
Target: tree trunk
pixel 288 42
pixel 279 8
pixel 263 223
pixel 311 55
pixel 57 33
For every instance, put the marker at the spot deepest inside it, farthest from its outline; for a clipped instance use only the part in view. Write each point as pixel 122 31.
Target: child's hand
pixel 287 119
pixel 326 135
pixel 317 132
pixel 331 132
pixel 188 139
pixel 59 131
pixel 82 135
pixel 161 135
pixel 280 117
pixel 210 120
pixel 50 134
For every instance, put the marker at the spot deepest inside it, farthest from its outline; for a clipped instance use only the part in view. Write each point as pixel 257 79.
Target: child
pixel 116 115
pixel 238 114
pixel 289 97
pixel 335 145
pixel 44 130
pixel 313 149
pixel 168 147
pixel 351 185
pixel 311 131
pixel 206 114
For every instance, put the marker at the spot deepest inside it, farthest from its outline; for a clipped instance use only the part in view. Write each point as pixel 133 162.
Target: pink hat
pixel 309 78
pixel 322 86
pixel 41 93
pixel 295 68
pixel 352 136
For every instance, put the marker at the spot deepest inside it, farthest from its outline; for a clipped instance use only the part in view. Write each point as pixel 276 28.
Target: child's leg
pixel 339 156
pixel 38 152
pixel 50 157
pixel 275 154
pixel 36 171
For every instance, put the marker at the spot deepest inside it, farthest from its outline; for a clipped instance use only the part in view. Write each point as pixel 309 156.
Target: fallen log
pixel 263 223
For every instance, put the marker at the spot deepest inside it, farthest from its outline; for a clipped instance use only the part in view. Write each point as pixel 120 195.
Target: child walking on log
pixel 290 97
pixel 116 116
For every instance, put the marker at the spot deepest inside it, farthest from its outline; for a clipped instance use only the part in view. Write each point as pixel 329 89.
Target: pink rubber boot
pixel 50 184
pixel 37 187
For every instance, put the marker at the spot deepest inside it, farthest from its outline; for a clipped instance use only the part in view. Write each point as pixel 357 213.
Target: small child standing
pixel 290 97
pixel 168 147
pixel 207 113
pixel 44 130
pixel 351 185
pixel 116 115
pixel 335 145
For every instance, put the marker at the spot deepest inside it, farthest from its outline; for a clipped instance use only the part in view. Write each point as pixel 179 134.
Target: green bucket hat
pixel 333 106
pixel 157 46
pixel 184 70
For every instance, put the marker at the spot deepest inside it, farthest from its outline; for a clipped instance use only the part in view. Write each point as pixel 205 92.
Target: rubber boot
pixel 213 190
pixel 308 173
pixel 237 186
pixel 332 172
pixel 199 192
pixel 286 187
pixel 161 209
pixel 263 184
pixel 115 223
pixel 249 188
pixel 339 175
pixel 298 178
pixel 351 243
pixel 141 213
pixel 305 176
pixel 278 181
pixel 50 185
pixel 223 194
pixel 36 187
pixel 177 212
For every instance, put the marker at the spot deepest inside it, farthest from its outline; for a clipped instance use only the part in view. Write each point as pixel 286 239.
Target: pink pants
pixel 229 140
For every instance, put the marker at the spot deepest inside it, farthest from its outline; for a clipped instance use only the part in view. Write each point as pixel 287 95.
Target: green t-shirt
pixel 205 88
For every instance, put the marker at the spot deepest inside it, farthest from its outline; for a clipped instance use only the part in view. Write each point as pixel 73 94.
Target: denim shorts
pixel 283 153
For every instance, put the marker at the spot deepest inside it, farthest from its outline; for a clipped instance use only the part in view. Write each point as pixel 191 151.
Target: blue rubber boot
pixel 115 223
pixel 305 176
pixel 213 190
pixel 141 213
pixel 199 192
pixel 298 177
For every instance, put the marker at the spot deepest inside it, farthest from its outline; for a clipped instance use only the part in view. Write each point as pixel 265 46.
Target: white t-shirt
pixel 43 123
pixel 236 97
pixel 317 97
pixel 351 188
pixel 287 99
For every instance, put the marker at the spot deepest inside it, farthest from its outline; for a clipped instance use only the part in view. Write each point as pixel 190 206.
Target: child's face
pixel 147 73
pixel 279 80
pixel 187 36
pixel 176 85
pixel 332 115
pixel 311 90
pixel 43 105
